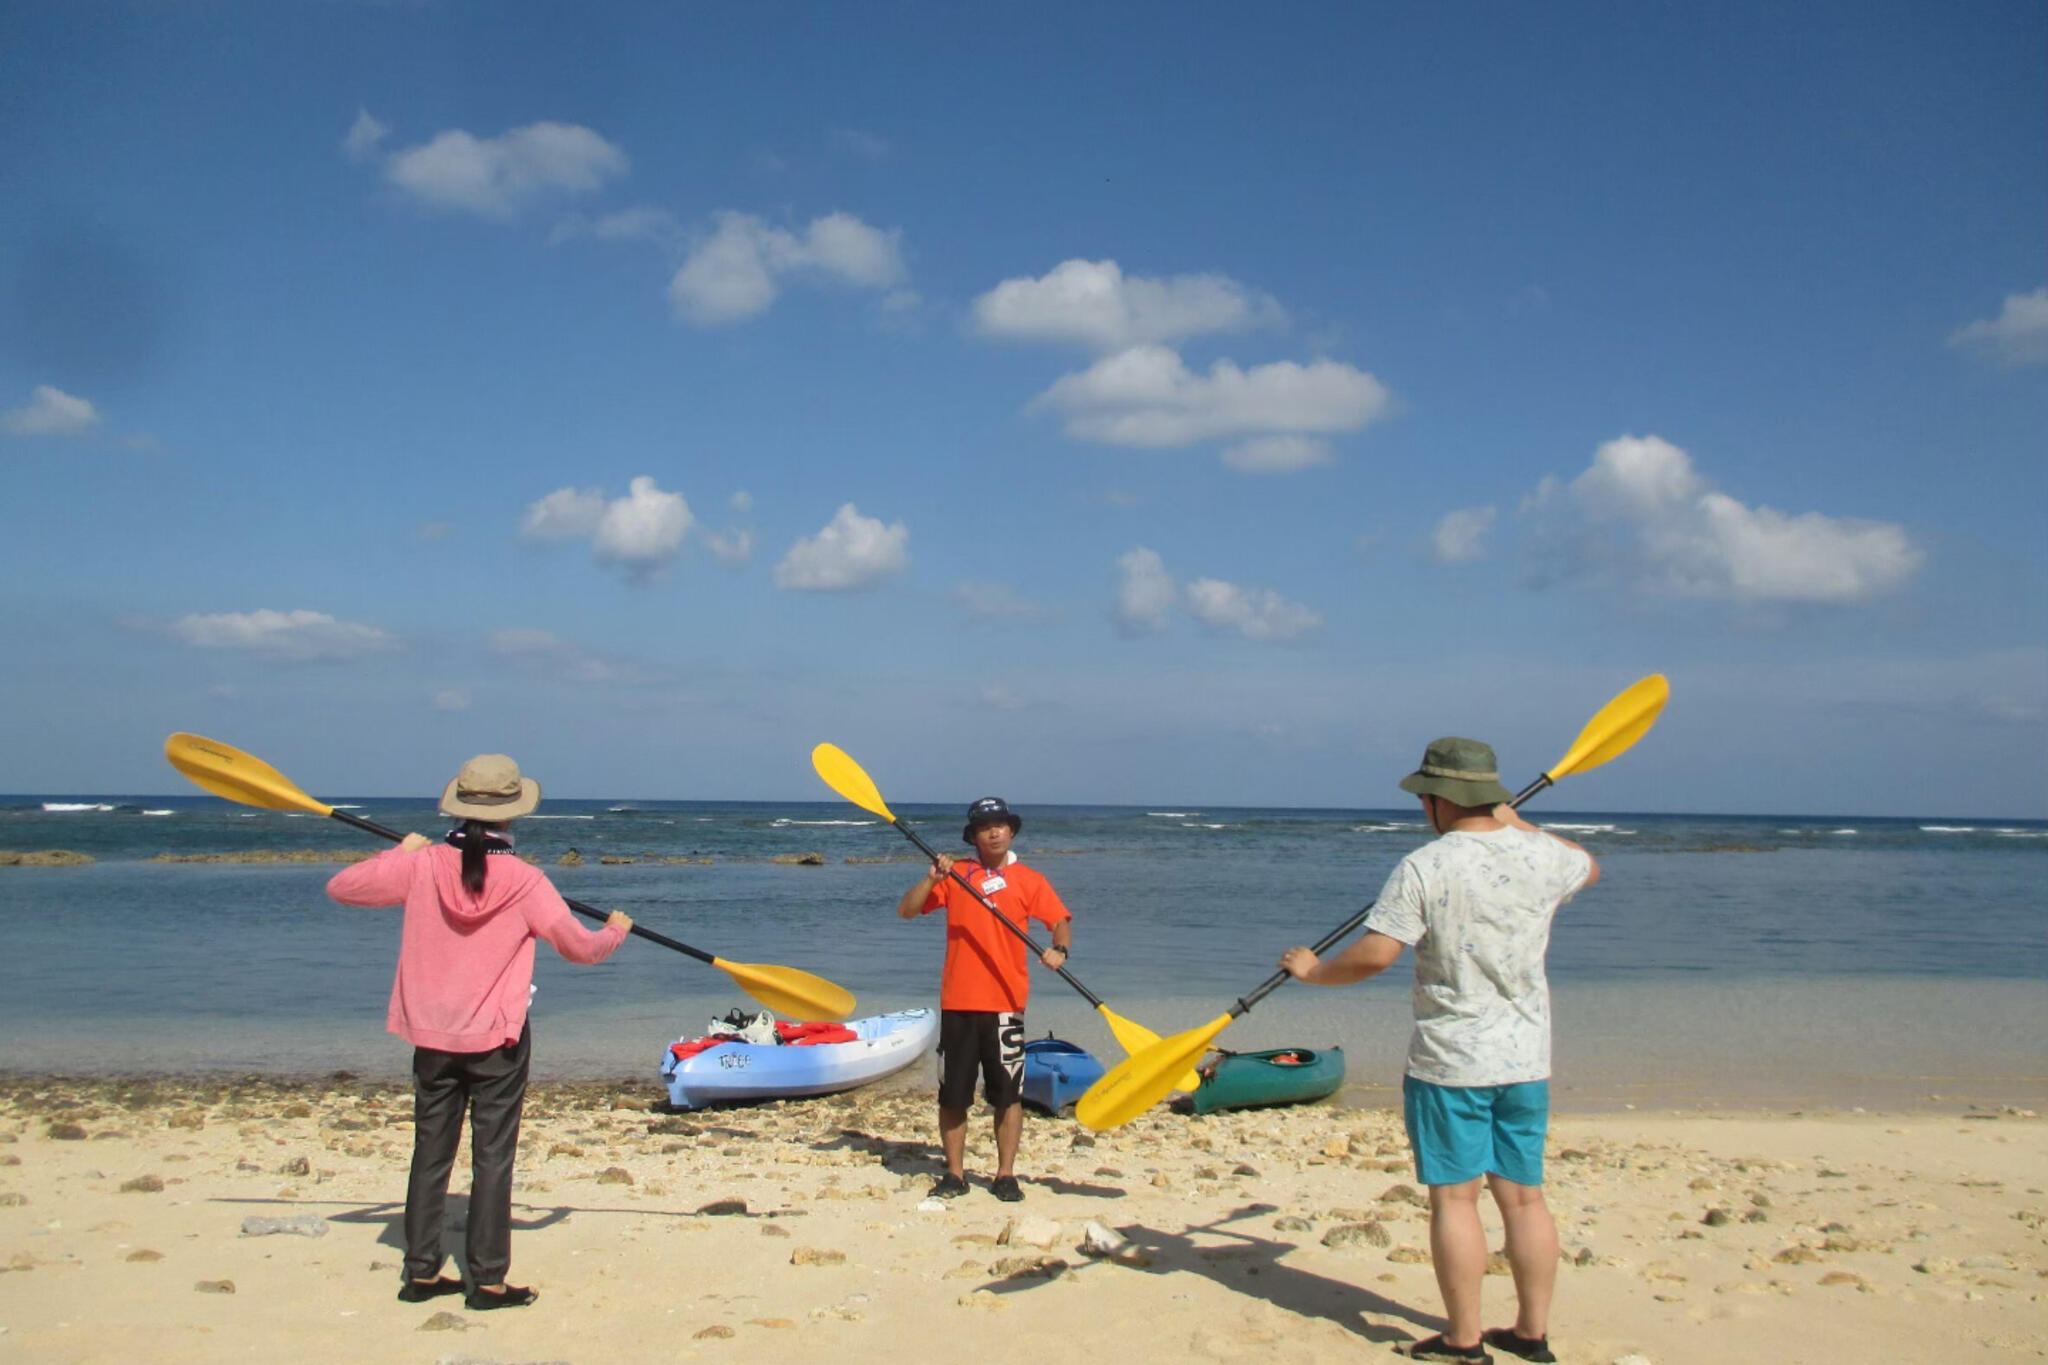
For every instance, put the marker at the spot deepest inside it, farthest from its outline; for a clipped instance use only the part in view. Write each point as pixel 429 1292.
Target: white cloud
pixel 544 652
pixel 296 636
pixel 1461 536
pixel 737 272
pixel 734 546
pixel 866 146
pixel 50 412
pixel 451 699
pixel 1642 513
pixel 1770 556
pixel 640 532
pixel 643 224
pixel 565 514
pixel 643 530
pixel 1001 698
pixel 1278 455
pixel 1144 593
pixel 364 136
pixel 498 176
pixel 996 601
pixel 742 501
pixel 841 244
pixel 727 277
pixel 518 641
pixel 851 552
pixel 1147 397
pixel 1255 613
pixel 2017 336
pixel 1094 304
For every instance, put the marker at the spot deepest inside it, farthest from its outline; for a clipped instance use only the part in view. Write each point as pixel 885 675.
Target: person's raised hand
pixel 1299 962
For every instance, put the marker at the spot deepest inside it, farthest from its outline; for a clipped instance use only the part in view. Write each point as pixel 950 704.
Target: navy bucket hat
pixel 990 810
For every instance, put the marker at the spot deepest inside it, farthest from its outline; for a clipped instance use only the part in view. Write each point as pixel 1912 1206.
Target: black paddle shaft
pixel 1001 918
pixel 587 911
pixel 1330 940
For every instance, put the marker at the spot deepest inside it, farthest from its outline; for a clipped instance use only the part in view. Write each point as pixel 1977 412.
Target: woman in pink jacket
pixel 465 963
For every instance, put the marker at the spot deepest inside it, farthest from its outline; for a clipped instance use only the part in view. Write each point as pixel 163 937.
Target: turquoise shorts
pixel 1461 1132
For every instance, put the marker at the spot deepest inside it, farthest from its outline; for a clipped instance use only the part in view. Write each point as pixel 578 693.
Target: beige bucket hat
pixel 490 788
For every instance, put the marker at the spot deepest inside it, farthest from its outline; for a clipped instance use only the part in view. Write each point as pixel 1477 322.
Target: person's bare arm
pixel 1369 956
pixel 1062 943
pixel 912 904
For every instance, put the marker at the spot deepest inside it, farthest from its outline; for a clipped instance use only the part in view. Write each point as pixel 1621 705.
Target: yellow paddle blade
pixel 1619 724
pixel 1137 1083
pixel 846 777
pixel 1134 1038
pixel 789 992
pixel 1131 1036
pixel 226 771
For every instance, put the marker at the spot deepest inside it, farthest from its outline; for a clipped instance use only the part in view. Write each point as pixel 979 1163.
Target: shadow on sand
pixel 1241 1260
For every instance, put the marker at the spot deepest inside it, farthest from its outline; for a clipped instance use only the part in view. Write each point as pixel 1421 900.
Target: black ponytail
pixel 475 857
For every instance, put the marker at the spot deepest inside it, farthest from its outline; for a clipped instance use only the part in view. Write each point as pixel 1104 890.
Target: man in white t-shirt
pixel 1476 905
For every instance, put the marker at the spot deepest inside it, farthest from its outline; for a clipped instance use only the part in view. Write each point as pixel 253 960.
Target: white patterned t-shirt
pixel 1476 907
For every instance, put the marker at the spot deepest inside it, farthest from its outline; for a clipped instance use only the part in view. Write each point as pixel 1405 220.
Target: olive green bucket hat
pixel 1460 770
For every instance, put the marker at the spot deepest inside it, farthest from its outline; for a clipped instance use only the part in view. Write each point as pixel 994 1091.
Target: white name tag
pixel 992 883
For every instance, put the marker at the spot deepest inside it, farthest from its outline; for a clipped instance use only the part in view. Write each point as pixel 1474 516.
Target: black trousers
pixel 491 1088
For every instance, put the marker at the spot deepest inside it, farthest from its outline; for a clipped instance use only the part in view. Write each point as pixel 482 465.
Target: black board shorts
pixel 984 1043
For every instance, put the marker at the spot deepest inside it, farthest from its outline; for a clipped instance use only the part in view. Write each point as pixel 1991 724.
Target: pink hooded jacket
pixel 465 962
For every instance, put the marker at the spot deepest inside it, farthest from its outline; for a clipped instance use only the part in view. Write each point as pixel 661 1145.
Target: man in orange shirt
pixel 985 985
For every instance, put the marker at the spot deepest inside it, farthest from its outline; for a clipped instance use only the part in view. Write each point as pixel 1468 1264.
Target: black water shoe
pixel 419 1291
pixel 511 1296
pixel 1515 1344
pixel 950 1186
pixel 1005 1188
pixel 1436 1348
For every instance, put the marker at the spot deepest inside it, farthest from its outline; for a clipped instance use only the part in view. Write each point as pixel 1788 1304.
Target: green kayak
pixel 1251 1080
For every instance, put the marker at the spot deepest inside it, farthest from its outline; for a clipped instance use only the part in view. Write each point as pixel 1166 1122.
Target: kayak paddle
pixel 226 771
pixel 1141 1081
pixel 846 777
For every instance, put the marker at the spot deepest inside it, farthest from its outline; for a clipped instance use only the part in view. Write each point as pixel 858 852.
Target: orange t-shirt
pixel 987 966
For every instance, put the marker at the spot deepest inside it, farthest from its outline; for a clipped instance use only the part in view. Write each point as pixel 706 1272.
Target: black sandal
pixel 1515 1344
pixel 511 1296
pixel 1436 1348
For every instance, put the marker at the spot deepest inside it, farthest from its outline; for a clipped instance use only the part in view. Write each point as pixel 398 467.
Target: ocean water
pixel 1721 959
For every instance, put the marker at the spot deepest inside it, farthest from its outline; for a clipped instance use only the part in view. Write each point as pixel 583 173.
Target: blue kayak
pixel 1057 1073
pixel 729 1071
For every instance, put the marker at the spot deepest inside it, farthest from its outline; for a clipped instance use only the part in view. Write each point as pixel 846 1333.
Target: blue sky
pixel 1130 403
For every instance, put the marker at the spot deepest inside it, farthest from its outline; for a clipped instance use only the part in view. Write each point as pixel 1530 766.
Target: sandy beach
pixel 212 1220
